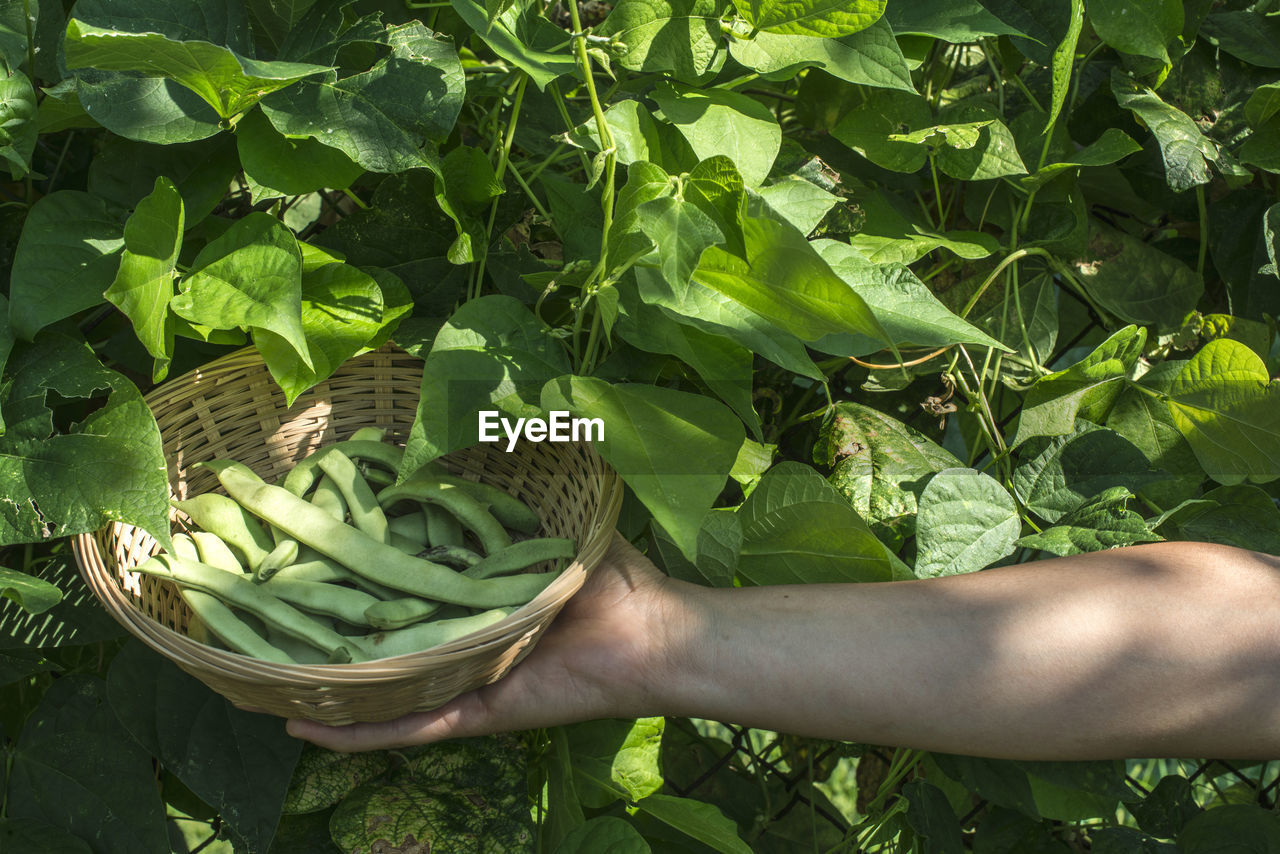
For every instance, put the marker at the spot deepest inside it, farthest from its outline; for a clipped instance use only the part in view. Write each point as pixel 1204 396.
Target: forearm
pixel 1158 650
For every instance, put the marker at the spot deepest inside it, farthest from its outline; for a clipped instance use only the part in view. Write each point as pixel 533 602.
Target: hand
pixel 595 661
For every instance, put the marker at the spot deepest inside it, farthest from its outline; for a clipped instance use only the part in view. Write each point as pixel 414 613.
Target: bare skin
pixel 1169 649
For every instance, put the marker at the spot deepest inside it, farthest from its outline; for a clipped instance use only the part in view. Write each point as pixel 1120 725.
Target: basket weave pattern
pixel 231 408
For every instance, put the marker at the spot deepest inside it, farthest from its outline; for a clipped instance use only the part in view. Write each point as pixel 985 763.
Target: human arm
pixel 1168 649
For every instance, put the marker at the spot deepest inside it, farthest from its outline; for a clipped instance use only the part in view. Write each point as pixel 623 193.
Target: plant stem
pixel 1204 228
pixel 353 197
pixel 937 192
pixel 499 172
pixel 1013 257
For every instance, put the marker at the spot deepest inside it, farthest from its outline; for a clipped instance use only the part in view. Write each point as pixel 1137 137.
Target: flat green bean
pixel 366 514
pixel 471 513
pixel 378 562
pixel 411 526
pixel 318 597
pixel 213 551
pixel 328 497
pixel 368 434
pixel 443 528
pixel 423 636
pixel 398 613
pixel 509 510
pixel 304 472
pixel 520 555
pixel 454 555
pixel 280 557
pixel 224 517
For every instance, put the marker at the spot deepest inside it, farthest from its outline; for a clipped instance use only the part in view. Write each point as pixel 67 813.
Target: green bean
pixel 509 510
pixel 328 497
pixel 412 526
pixel 366 514
pixel 398 613
pixel 280 557
pixel 377 476
pixel 317 597
pixel 317 567
pixel 520 555
pixel 369 434
pixel 302 653
pixel 378 562
pixel 224 517
pixel 443 528
pixel 426 635
pixel 184 546
pixel 453 555
pixel 250 597
pixel 213 551
pixel 471 513
pixel 303 474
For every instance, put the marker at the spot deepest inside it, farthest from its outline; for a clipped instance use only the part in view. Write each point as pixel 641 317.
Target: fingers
pixel 461 717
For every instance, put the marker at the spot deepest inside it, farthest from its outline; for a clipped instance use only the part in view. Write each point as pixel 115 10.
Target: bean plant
pixel 860 289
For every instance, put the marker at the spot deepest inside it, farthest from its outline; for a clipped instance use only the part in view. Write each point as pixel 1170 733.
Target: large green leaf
pixel 1138 27
pixel 1113 145
pixel 77 619
pixel 144 283
pixel 1087 389
pixel 950 20
pixel 237 762
pixel 1233 827
pixel 343 310
pixel 145 109
pixel 903 305
pixel 932 818
pixel 1247 35
pixel 66 257
pixel 1136 281
pixel 869 57
pixel 491 353
pixel 797 529
pixel 17 123
pixel 680 231
pixel 821 18
pixel 674 449
pixel 322 777
pixel 388 118
pixel 33 595
pixel 124 172
pixel 616 758
pixel 1064 56
pixel 290 166
pixel 1241 515
pixel 718 121
pixel 109 467
pixel 890 236
pixel 76 768
pixel 783 279
pixel 879 465
pixel 1066 471
pixel 680 36
pixel 1144 419
pixel 228 82
pixel 967 521
pixel 1228 407
pixel 250 277
pixel 604 833
pixel 1104 522
pixel 793 199
pixel 25 834
pixel 523 36
pixel 872 129
pixel 1187 152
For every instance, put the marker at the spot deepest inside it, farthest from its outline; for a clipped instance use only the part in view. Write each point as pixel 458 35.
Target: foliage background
pixel 935 285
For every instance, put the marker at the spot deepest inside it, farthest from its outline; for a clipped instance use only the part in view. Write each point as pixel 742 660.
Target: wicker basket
pixel 231 408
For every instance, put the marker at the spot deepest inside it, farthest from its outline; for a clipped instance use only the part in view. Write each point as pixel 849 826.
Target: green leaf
pixel 109 467
pixel 870 57
pixel 1104 522
pixel 638 137
pixel 343 311
pixel 491 353
pixel 967 521
pixel 66 257
pixel 783 279
pixel 680 36
pixel 1064 56
pixel 33 595
pixel 25 834
pixel 1144 419
pixel 931 817
pixel 1228 408
pixel 879 465
pixel 1112 146
pixel 726 367
pixel 76 768
pixel 674 449
pixel 1088 389
pixel 681 232
pixel 1262 148
pixel 1136 281
pixel 1171 804
pixel 801 203
pixel 145 109
pixel 1263 104
pixel 1138 27
pixel 76 620
pixel 990 152
pixel 721 122
pixel 1233 827
pixel 522 36
pixel 250 277
pixel 228 82
pixel 143 285
pixel 616 759
pixel 797 529
pixel 821 18
pixel 888 236
pixel 321 778
pixel 124 173
pixel 388 118
pixel 903 305
pixel 604 834
pixel 998 780
pixel 1187 152
pixel 237 762
pixel 1247 35
pixel 1242 515
pixel 1069 470
pixel 290 166
pixel 949 20
pixel 17 123
pixel 702 821
pixel 873 129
